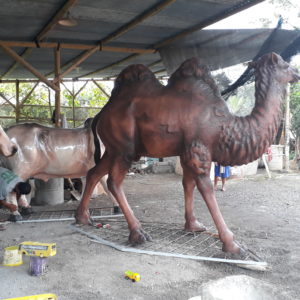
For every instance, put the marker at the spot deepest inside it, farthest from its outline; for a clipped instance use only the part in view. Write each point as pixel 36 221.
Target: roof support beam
pixel 123 29
pixel 75 47
pixel 28 66
pixel 43 33
pixel 209 21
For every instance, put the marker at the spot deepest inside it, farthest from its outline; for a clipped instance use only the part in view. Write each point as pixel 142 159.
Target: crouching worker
pixel 12 194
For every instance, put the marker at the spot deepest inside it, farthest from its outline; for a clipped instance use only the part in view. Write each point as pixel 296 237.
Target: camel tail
pixel 97 153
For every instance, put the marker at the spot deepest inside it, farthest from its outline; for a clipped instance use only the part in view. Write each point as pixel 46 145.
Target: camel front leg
pixel 115 185
pixel 206 189
pixel 82 215
pixel 188 182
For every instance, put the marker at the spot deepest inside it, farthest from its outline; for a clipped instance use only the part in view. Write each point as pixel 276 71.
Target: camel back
pixel 191 72
pixel 135 74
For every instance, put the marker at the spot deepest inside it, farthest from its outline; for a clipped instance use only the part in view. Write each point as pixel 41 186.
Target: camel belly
pixel 160 144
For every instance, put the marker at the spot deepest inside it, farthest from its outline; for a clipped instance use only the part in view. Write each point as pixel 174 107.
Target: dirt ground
pixel 263 213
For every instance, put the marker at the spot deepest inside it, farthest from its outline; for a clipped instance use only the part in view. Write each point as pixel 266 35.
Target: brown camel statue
pixel 187 118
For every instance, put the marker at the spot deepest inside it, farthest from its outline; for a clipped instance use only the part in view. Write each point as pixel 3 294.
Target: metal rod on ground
pixel 68 219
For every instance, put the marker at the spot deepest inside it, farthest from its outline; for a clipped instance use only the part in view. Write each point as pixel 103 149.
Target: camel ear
pixel 274 58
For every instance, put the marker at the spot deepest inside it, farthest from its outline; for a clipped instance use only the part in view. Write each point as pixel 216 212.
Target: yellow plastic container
pixel 12 257
pixel 36 297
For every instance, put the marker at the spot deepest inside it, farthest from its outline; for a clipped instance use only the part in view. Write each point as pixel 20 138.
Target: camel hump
pixel 133 74
pixel 191 68
pixel 191 71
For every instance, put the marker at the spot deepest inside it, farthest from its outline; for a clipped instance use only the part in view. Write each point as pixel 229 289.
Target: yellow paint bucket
pixel 12 257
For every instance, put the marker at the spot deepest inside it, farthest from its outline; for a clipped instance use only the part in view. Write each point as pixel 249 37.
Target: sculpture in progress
pixel 187 118
pixel 46 152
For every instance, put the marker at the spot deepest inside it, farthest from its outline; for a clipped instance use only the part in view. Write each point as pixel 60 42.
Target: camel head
pixel 280 69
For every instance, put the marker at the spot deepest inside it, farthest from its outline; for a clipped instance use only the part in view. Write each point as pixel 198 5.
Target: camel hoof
pixel 15 218
pixel 83 217
pixel 138 236
pixel 233 248
pixel 194 227
pixel 26 211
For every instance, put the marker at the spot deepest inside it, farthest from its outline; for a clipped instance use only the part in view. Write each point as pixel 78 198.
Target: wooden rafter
pixel 123 29
pixel 28 66
pixel 136 21
pixel 43 33
pixel 23 44
pixel 209 21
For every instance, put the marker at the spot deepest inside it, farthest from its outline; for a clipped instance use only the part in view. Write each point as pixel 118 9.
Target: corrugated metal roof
pixel 97 20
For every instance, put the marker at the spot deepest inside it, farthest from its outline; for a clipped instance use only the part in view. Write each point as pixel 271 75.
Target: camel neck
pixel 245 139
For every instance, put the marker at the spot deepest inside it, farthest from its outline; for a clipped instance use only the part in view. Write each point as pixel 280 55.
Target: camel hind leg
pixel 115 184
pixel 93 176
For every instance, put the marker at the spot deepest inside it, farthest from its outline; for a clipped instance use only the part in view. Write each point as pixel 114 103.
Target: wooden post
pixel 58 121
pixel 287 131
pixel 73 102
pixel 17 101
